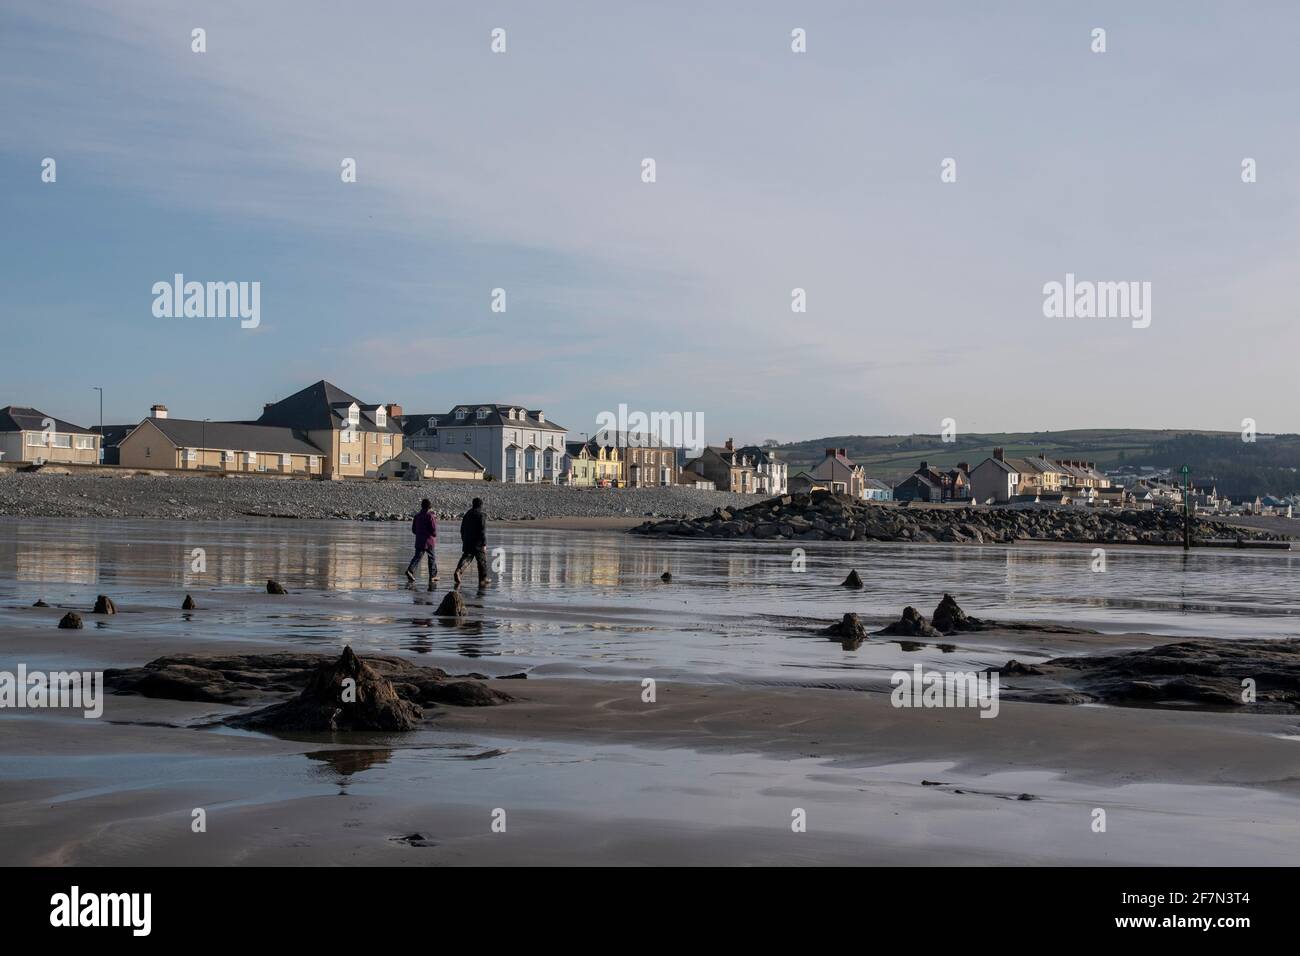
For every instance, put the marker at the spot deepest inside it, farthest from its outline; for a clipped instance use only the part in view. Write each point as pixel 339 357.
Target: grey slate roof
pixel 453 460
pixel 234 436
pixel 496 417
pixel 15 418
pixel 321 406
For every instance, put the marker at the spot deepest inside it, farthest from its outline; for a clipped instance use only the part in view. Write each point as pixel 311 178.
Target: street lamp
pixel 99 460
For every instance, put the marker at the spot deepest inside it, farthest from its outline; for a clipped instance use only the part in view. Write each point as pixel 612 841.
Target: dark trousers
pixel 433 562
pixel 479 556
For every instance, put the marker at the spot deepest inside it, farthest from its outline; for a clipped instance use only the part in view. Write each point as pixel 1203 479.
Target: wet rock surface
pixel 852 581
pixel 452 605
pixel 912 624
pixel 104 605
pixel 1198 674
pixel 274 587
pixel 71 621
pixel 822 516
pixel 313 679
pixel 949 618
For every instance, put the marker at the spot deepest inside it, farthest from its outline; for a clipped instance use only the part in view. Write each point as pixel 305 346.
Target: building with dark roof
pixel 354 437
pixel 31 436
pixel 514 443
pixel 194 445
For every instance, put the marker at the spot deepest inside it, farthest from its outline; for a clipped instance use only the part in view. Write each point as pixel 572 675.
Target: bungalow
pixel 873 489
pixel 189 444
pixel 918 486
pixel 728 468
pixel 354 438
pixel 696 481
pixel 111 437
pixel 414 465
pixel 30 435
pixel 514 443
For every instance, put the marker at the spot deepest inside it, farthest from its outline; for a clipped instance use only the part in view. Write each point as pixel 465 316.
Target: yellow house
pixel 190 445
pixel 355 439
pixel 29 435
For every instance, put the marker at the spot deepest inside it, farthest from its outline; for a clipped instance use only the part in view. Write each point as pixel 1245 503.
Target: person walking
pixel 473 543
pixel 425 529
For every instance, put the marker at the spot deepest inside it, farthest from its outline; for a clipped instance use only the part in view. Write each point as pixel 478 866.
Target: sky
pixel 775 170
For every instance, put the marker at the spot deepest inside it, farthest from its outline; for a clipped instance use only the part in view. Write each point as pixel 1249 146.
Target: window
pixel 432 425
pixel 250 458
pixel 35 438
pixel 460 414
pixel 381 416
pixel 313 462
pixel 61 441
pixel 227 456
pixel 286 461
pixel 189 454
pixel 345 459
pixel 354 415
pixel 388 439
pixel 84 441
pixel 482 413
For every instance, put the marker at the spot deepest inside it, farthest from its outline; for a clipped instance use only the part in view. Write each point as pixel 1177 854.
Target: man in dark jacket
pixel 425 529
pixel 473 543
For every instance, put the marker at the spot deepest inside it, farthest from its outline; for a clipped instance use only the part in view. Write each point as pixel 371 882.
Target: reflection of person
pixel 473 543
pixel 425 529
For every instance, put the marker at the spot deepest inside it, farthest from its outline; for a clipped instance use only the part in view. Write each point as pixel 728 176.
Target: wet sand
pixel 585 770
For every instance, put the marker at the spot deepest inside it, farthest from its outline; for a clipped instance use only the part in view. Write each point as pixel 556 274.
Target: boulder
pixel 912 624
pixel 70 621
pixel 852 581
pixel 453 605
pixel 104 605
pixel 341 695
pixel 274 587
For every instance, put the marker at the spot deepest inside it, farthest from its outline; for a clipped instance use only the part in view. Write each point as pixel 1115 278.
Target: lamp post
pixel 99 458
pixel 203 440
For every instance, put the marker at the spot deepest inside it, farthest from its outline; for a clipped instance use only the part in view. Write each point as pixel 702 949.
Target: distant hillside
pixel 1268 466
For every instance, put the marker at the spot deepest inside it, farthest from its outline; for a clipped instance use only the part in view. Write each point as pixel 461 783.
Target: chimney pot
pixel 998 454
pixel 731 446
pixel 158 411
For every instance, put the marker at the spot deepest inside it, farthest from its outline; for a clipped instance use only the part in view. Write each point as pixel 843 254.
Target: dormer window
pixel 432 424
pixel 460 414
pixel 354 414
pixel 381 416
pixel 482 413
pixel 511 414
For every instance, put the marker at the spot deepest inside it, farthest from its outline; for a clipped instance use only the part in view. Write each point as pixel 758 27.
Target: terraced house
pixel 514 443
pixel 29 435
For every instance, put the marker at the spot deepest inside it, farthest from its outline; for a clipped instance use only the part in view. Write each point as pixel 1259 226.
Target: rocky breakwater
pixel 822 516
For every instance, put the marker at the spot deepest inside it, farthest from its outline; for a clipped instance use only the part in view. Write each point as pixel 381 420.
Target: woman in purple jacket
pixel 425 529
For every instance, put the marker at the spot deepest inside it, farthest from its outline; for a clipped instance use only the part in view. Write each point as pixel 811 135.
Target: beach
pixel 757 719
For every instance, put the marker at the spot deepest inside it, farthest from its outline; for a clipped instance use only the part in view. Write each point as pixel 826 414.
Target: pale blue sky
pixel 775 170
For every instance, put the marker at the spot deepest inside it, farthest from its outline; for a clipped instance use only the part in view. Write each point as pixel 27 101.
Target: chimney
pixel 731 445
pixel 157 411
pixel 394 410
pixel 997 453
pixel 963 466
pixel 267 407
pixel 842 452
pixel 830 452
pixel 924 465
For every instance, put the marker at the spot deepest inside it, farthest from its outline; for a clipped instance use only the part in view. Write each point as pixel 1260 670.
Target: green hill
pixel 1268 466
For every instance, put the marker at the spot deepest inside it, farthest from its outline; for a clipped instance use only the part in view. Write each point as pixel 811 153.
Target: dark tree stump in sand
pixel 949 617
pixel 912 624
pixel 71 621
pixel 104 605
pixel 453 605
pixel 346 694
pixel 188 604
pixel 666 577
pixel 852 581
pixel 40 603
pixel 849 631
pixel 274 587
